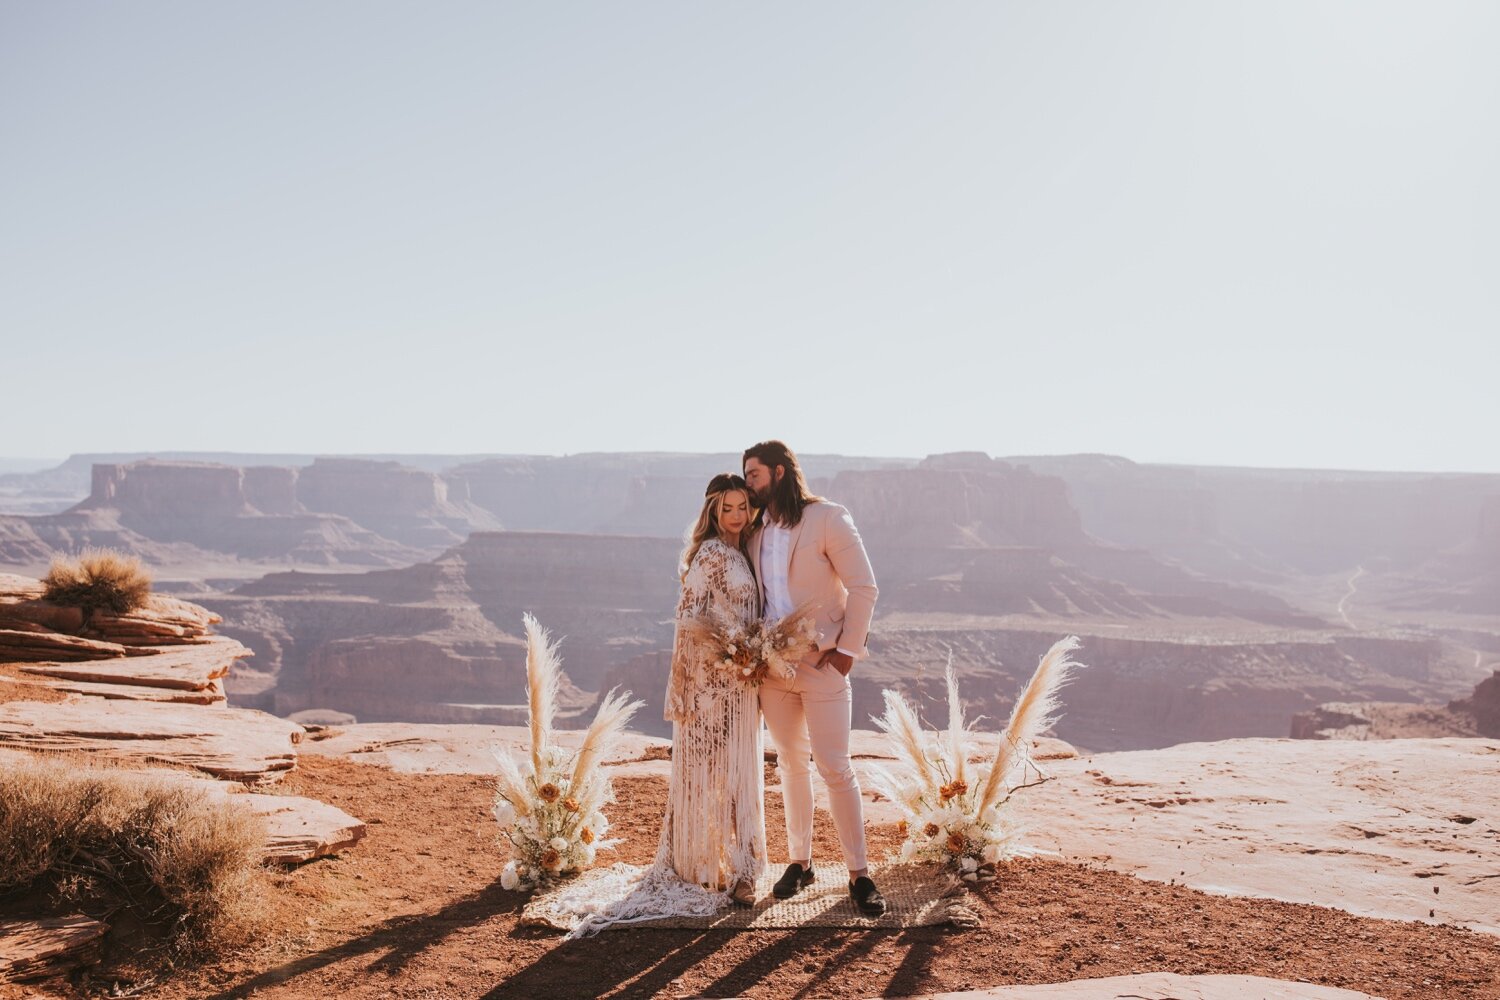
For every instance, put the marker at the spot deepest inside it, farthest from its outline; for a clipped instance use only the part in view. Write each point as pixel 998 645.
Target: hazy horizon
pixel 13 464
pixel 1257 235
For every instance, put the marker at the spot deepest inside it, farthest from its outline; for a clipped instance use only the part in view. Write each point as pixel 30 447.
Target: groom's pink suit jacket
pixel 829 572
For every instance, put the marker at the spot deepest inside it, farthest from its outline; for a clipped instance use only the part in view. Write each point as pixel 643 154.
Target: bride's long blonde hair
pixel 707 525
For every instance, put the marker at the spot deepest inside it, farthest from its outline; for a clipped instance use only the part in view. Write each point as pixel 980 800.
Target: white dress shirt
pixel 775 561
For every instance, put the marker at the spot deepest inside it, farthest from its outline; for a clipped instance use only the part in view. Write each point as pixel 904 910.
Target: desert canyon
pixel 1289 721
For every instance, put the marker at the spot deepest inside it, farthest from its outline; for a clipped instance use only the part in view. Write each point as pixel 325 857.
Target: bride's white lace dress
pixel 714 832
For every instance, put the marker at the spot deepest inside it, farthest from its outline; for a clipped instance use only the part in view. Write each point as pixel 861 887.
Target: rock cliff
pixel 333 512
pixel 440 641
pixel 1476 715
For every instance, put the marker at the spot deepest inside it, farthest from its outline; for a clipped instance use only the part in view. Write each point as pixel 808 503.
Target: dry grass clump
pixel 98 580
pixel 180 860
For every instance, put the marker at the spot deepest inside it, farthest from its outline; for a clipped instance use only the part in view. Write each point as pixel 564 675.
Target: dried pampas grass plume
pixel 1033 713
pixel 614 714
pixel 900 723
pixel 543 675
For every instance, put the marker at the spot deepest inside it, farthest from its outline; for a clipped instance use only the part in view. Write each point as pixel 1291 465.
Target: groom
pixel 808 555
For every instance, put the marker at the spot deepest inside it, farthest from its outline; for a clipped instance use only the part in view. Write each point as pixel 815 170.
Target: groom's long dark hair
pixel 789 496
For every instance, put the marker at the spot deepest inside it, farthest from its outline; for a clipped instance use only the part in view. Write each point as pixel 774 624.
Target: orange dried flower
pixel 931 829
pixel 586 835
pixel 549 792
pixel 570 804
pixel 901 828
pixel 955 842
pixel 953 789
pixel 551 860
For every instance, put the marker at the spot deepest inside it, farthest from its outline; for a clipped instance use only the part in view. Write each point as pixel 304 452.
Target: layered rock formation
pixel 47 947
pixel 334 511
pixel 631 493
pixel 1476 715
pixel 441 641
pixel 149 693
pixel 1315 521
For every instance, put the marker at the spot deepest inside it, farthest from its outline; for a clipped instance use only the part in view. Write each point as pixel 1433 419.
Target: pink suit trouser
pixel 808 718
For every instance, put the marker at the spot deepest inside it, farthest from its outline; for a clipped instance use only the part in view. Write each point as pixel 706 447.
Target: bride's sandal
pixel 744 893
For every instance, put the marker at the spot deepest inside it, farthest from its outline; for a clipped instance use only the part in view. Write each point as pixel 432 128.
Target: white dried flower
pixel 558 844
pixel 991 853
pixel 968 864
pixel 908 850
pixel 509 877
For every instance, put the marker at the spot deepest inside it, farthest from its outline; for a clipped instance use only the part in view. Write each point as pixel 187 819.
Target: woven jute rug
pixel 915 895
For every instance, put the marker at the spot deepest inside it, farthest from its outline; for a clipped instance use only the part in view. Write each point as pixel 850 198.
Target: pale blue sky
pixel 1252 233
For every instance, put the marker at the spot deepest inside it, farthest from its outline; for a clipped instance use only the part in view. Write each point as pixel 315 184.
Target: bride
pixel 713 835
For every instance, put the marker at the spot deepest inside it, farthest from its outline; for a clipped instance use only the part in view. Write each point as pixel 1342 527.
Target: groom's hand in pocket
pixel 842 662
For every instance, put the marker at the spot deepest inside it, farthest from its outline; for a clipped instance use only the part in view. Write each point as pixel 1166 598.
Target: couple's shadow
pixel 639 963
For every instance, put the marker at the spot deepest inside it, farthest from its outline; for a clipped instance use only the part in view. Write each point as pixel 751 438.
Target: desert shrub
pixel 179 858
pixel 98 580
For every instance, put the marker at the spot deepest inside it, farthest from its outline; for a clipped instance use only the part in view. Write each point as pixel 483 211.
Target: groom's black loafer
pixel 794 878
pixel 868 898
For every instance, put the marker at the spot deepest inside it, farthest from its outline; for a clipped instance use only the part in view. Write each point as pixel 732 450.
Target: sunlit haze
pixel 1254 234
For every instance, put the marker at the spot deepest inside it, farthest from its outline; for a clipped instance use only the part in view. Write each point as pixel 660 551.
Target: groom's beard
pixel 762 498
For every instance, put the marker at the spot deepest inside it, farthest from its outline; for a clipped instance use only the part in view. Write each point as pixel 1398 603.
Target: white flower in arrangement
pixel 588 854
pixel 509 879
pixel 968 864
pixel 505 813
pixel 908 850
pixel 599 823
pixel 991 853
pixel 558 844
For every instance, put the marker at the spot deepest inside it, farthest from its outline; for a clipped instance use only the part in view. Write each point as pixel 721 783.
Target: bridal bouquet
pixel 749 652
pixel 953 811
pixel 550 808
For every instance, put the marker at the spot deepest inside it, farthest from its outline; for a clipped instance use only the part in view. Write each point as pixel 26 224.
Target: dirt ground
pixel 416 910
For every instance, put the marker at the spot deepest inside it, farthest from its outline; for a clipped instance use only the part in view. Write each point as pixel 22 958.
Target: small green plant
pixel 97 837
pixel 98 580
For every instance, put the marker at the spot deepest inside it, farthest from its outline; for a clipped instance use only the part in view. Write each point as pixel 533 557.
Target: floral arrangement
pixel 954 811
pixel 551 807
pixel 749 652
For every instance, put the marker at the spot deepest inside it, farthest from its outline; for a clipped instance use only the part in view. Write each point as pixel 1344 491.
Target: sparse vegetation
pixel 103 839
pixel 98 580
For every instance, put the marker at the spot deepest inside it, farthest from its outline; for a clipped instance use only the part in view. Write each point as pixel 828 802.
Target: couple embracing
pixel 763 547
